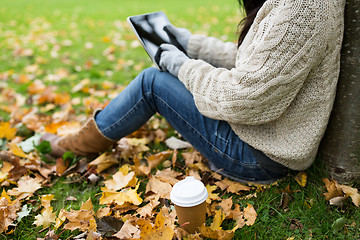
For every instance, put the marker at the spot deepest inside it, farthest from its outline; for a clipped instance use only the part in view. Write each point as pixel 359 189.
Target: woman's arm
pixel 213 51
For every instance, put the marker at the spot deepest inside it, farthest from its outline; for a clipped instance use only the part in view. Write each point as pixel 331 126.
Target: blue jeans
pixel 153 91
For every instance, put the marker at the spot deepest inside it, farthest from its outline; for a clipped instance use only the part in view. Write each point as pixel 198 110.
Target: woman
pixel 255 109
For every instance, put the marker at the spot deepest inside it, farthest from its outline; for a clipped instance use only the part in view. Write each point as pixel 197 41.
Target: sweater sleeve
pixel 278 53
pixel 212 50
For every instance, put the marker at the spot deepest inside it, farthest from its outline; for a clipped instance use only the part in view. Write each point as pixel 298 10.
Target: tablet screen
pixel 150 31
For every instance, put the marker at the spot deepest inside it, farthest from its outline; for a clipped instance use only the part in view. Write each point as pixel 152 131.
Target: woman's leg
pixel 154 91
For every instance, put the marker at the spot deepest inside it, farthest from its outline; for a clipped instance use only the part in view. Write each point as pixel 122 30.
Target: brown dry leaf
pixel 8 211
pixel 128 231
pixel 102 212
pixel 167 175
pixel 247 217
pixel 231 186
pixel 226 205
pixel 216 234
pixel 160 231
pixel 26 187
pixel 6 131
pixel 4 172
pixel 301 178
pixel 211 196
pixel 87 206
pixel 123 178
pixel 157 158
pixel 351 192
pixel 61 166
pixel 104 161
pixel 333 189
pixel 82 220
pixel 147 210
pixel 191 157
pixel 158 187
pixel 127 195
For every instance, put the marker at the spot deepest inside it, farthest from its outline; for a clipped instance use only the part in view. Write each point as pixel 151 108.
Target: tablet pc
pixel 149 28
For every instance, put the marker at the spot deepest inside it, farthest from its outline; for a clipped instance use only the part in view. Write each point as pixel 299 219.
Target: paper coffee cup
pixel 189 197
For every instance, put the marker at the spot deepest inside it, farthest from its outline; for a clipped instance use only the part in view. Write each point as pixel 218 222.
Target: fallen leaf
pixel 16 150
pixel 333 189
pixel 128 231
pixel 103 162
pixel 82 220
pixel 8 211
pixel 351 192
pixel 6 131
pixel 211 196
pixel 247 217
pixel 301 178
pixel 126 195
pixel 26 187
pixel 216 234
pixel 46 217
pixel 232 186
pixel 156 186
pixel 159 231
pixel 123 178
pixel 218 219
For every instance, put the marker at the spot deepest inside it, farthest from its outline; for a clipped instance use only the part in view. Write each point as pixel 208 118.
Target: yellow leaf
pixel 88 206
pixel 126 195
pixel 218 219
pixel 216 234
pixel 121 179
pixel 46 199
pixel 53 127
pixel 6 131
pixel 60 219
pixel 301 178
pixel 104 161
pixel 46 217
pixel 16 150
pixel 160 231
pixel 211 195
pixel 231 186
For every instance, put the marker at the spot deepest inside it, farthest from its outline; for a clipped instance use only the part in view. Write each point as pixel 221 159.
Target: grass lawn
pixel 63 43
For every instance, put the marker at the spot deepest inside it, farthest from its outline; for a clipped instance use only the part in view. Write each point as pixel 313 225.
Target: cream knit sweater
pixel 277 89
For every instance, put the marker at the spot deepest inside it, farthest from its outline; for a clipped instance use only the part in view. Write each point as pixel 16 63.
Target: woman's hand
pixel 179 37
pixel 171 58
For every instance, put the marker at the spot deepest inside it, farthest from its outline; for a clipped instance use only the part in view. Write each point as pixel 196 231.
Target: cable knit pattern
pixel 277 89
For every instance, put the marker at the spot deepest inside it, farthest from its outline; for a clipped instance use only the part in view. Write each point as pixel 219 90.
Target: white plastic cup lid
pixel 188 192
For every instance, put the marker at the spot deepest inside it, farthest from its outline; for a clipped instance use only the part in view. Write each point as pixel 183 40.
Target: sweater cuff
pixel 194 45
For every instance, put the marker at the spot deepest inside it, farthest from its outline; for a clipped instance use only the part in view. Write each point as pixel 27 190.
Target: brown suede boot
pixel 86 141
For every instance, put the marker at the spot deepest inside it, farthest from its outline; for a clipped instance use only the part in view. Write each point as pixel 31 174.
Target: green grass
pixel 42 25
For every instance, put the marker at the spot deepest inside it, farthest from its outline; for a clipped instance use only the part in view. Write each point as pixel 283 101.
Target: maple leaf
pixel 211 195
pixel 8 211
pixel 123 178
pixel 128 231
pixel 26 187
pixel 231 186
pixel 247 217
pixel 160 231
pixel 6 131
pixel 333 189
pixel 216 234
pixel 148 208
pixel 156 186
pixel 46 217
pixel 104 161
pixel 218 219
pixel 353 193
pixel 4 172
pixel 82 220
pixel 126 195
pixel 168 175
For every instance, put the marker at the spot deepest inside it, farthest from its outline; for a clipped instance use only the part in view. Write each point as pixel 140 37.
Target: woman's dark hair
pixel 251 8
